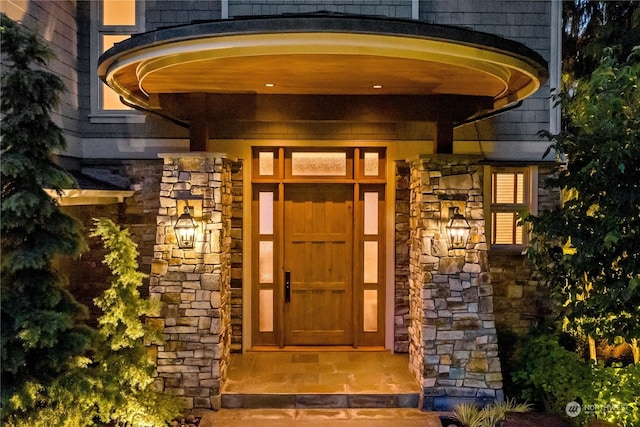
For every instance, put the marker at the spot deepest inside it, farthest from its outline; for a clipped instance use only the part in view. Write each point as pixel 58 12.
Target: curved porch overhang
pixel 324 55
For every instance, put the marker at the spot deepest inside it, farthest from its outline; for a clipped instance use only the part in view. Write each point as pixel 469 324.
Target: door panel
pixel 318 255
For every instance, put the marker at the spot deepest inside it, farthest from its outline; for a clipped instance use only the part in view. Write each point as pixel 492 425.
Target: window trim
pixel 97 30
pixel 530 203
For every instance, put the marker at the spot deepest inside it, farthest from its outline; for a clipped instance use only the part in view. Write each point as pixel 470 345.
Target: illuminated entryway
pixel 318 275
pixel 319 213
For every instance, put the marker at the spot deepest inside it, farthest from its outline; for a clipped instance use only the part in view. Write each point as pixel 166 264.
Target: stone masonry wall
pixel 401 294
pixel 88 276
pixel 138 214
pixel 519 300
pixel 194 285
pixel 452 328
pixel 236 256
pixel 417 276
pixel 516 296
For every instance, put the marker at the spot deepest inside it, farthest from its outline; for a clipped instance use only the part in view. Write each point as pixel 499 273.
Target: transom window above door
pixel 311 164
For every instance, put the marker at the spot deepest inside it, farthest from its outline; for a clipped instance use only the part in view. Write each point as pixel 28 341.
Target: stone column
pixel 193 285
pixel 453 341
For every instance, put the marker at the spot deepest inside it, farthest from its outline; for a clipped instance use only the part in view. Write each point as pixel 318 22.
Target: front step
pixel 363 417
pixel 319 380
pixel 319 400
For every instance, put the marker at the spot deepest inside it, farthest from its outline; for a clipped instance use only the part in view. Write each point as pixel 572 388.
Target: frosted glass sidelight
pixel 371 164
pixel 370 262
pixel 371 213
pixel 266 212
pixel 266 310
pixel 265 269
pixel 318 164
pixel 370 310
pixel 265 163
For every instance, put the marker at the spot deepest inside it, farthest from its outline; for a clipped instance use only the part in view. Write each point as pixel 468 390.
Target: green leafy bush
pixel 586 250
pixel 615 394
pixel 551 376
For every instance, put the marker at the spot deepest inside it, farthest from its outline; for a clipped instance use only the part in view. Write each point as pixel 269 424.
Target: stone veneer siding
pixel 236 256
pixel 516 295
pixel 453 348
pixel 138 214
pixel 88 276
pixel 520 301
pixel 401 292
pixel 194 286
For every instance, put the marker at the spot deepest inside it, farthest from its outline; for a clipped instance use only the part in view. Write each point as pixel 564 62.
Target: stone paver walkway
pixel 373 417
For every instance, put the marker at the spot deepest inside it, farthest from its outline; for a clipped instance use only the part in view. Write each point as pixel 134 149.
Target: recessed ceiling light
pixel 377 86
pixel 270 84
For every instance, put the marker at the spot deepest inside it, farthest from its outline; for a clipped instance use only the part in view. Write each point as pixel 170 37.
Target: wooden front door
pixel 318 264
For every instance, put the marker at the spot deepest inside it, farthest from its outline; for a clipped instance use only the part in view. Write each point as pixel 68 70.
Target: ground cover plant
pixel 551 376
pixel 469 415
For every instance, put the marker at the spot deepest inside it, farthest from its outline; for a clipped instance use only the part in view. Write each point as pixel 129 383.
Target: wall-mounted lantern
pixel 458 229
pixel 185 230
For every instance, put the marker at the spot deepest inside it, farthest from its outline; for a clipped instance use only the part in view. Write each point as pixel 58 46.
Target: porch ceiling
pixel 320 55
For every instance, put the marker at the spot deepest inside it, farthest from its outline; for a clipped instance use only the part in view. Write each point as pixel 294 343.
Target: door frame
pixel 271 176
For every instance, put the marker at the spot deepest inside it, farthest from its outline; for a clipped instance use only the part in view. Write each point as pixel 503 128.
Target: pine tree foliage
pixel 55 370
pixel 117 385
pixel 590 27
pixel 588 251
pixel 126 392
pixel 42 331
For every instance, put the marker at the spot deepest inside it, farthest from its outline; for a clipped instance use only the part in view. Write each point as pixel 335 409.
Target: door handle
pixel 287 286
